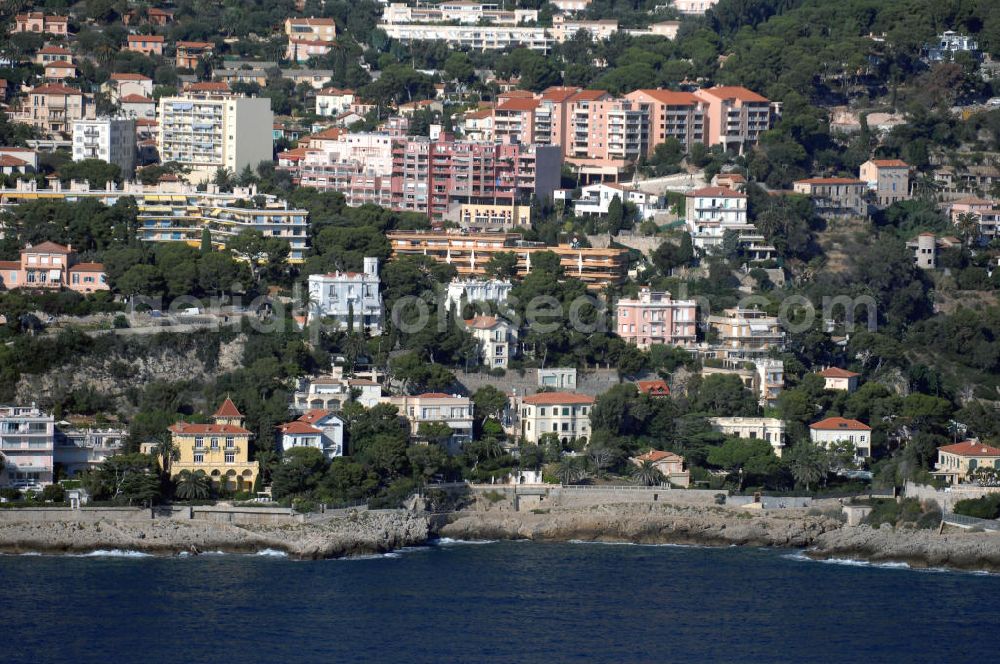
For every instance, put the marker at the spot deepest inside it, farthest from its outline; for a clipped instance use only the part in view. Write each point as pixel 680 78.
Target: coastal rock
pixel 645 524
pixel 918 548
pixel 355 534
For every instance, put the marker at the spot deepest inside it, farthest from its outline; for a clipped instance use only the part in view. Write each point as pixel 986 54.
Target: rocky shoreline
pixel 820 536
pixel 361 533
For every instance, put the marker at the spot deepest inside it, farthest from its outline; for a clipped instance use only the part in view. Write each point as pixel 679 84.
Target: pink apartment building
pixel 679 115
pixel 735 116
pixel 656 318
pixel 52 266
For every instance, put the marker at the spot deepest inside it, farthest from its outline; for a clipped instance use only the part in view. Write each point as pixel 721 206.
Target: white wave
pixel 115 553
pixel 854 562
pixel 448 541
pixel 374 556
pixel 663 545
pixel 272 552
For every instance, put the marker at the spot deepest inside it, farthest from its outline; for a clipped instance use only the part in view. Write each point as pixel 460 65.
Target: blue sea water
pixel 492 602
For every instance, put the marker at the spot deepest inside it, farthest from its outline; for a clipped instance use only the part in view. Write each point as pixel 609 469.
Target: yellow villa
pixel 221 449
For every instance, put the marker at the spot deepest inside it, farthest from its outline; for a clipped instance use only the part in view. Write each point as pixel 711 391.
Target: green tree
pixel 193 485
pixel 647 474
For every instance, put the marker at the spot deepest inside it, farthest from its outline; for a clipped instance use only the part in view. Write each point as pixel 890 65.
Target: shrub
pixel 54 492
pixel 987 507
pixel 10 494
pixel 120 322
pixel 494 496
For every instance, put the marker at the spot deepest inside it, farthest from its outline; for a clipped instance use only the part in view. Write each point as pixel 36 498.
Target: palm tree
pixel 967 224
pixel 167 453
pixel 647 474
pixel 926 188
pixel 569 471
pixel 193 486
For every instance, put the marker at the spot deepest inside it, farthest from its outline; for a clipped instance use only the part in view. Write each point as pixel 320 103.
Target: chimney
pixel 371 266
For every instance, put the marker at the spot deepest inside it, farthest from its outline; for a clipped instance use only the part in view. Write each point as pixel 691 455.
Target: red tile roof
pixel 559 93
pixel 588 95
pixel 839 423
pixel 228 409
pixel 7 161
pixel 87 267
pixel 890 163
pixel 61 64
pixel 54 50
pixel 653 387
pixel 518 104
pixel 299 427
pixel 550 398
pixel 483 322
pixel 125 76
pixel 315 415
pixel 659 455
pixel 135 99
pixel 148 38
pixel 971 448
pixel 716 192
pixel 734 92
pixel 186 428
pixel 834 372
pixel 669 97
pixel 209 86
pixel 434 395
pixel 55 89
pixel 47 248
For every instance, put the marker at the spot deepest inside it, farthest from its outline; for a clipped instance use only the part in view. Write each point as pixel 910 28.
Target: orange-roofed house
pixel 515 117
pixel 670 465
pixel 53 53
pixel 190 52
pixel 49 265
pixel 956 462
pixel 887 179
pixel 835 197
pixel 320 429
pixel 59 70
pixel 840 379
pixel 39 22
pixel 122 84
pixel 654 388
pixel 53 107
pixel 679 115
pixel 221 449
pixel 437 407
pixel 145 44
pixel 735 116
pixel 497 340
pixel 842 430
pixel 564 414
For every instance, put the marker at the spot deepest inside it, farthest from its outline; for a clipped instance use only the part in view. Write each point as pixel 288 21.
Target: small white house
pixel 595 199
pixel 497 339
pixel 842 430
pixel 319 429
pixel 343 296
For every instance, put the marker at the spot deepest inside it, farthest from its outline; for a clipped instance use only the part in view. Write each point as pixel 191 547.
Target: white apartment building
pixel 79 449
pixel 464 12
pixel 471 37
pixel 333 391
pixel 484 291
pixel 693 7
pixel 497 340
pixel 595 199
pixel 344 296
pixel 453 410
pixel 565 414
pixel 108 139
pixel 842 430
pixel 206 132
pixel 27 442
pixel 768 429
pixel 318 429
pixel 331 102
pixel 710 211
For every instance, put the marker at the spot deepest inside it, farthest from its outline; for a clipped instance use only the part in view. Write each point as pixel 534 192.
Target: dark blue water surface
pixel 497 602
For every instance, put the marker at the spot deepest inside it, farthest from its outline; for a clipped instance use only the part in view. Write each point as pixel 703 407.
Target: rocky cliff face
pixel 115 373
pixel 918 548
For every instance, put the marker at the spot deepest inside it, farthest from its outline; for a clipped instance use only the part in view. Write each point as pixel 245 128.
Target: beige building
pixel 483 216
pixel 497 340
pixel 956 462
pixel 746 332
pixel 840 379
pixel 669 464
pixel 451 409
pixel 768 429
pixel 208 131
pixel 735 116
pixel 887 179
pixel 220 449
pixel 835 197
pixel 52 108
pixel 565 414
